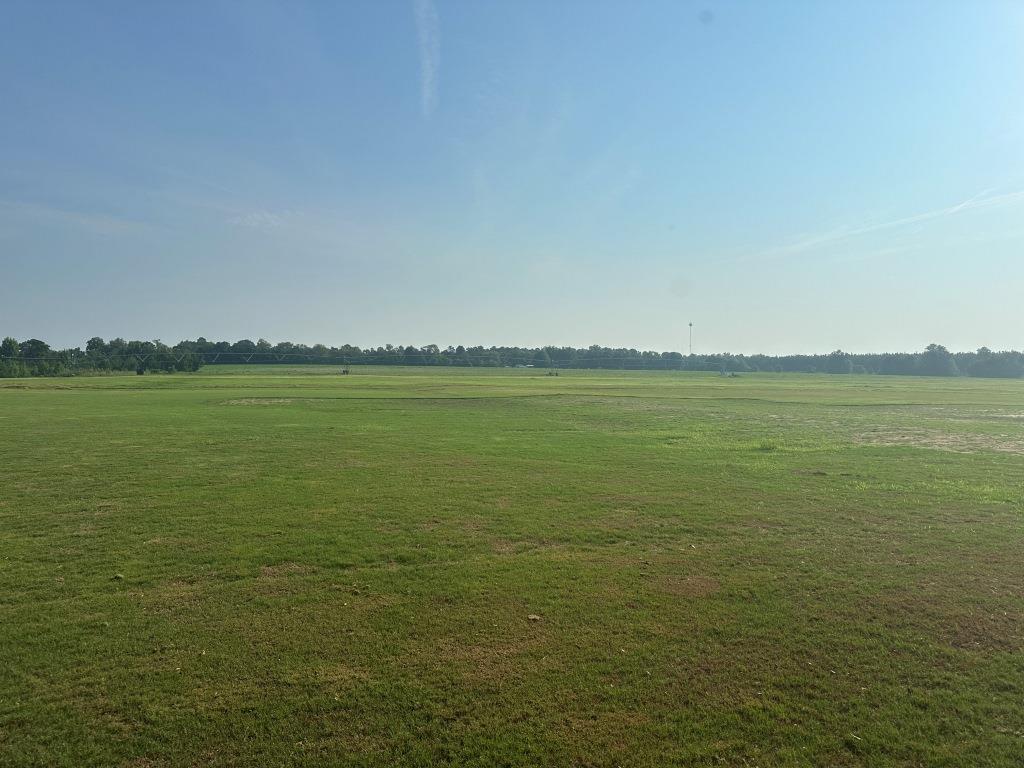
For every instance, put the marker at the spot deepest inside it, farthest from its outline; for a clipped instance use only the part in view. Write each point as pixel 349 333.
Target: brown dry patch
pixel 456 462
pixel 688 586
pixel 996 631
pixel 349 463
pixel 170 541
pixel 285 569
pixel 177 588
pixel 427 525
pixel 614 730
pixel 504 546
pixel 339 674
pixel 173 596
pixel 496 661
pixel 143 762
pixel 630 501
pixel 943 441
pixel 260 401
pixel 106 716
pixel 969 628
pixel 751 526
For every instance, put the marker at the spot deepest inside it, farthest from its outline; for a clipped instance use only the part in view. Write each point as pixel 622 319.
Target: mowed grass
pixel 282 567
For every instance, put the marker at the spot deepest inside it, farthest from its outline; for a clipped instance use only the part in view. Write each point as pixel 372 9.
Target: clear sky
pixel 789 176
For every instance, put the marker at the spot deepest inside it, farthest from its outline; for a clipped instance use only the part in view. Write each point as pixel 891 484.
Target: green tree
pixel 838 362
pixel 937 361
pixel 1000 365
pixel 10 365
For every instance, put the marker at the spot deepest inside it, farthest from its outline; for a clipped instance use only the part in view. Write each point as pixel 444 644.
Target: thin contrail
pixel 975 202
pixel 428 33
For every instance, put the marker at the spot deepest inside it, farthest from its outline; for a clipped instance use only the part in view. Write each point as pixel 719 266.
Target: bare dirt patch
pixel 944 441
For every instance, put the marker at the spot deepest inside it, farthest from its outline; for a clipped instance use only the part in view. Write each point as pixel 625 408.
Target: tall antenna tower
pixel 691 338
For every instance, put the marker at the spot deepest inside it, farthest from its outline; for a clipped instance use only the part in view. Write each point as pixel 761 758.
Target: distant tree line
pixel 36 358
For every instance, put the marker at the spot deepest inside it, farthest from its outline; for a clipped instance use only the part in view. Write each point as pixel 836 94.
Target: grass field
pixel 275 567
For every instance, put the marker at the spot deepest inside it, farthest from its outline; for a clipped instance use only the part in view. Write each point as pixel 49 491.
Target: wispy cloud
pixel 809 242
pixel 260 219
pixel 428 33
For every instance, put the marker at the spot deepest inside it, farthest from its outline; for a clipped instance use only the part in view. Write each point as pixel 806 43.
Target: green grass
pixel 277 566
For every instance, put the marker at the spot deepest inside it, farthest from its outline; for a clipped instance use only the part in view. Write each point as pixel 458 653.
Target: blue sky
pixel 790 176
